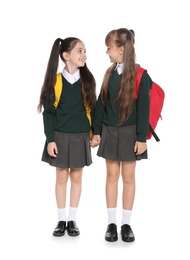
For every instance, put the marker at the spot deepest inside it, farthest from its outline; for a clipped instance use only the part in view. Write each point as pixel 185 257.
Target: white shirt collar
pixel 71 78
pixel 119 68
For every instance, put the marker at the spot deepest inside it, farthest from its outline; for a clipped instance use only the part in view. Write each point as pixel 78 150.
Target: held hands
pixel 52 149
pixel 95 141
pixel 140 147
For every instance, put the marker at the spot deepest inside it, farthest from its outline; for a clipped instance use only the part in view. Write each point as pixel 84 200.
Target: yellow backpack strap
pixel 58 89
pixel 88 110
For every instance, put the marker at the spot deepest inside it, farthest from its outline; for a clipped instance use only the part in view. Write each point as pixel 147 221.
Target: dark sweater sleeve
pixel 48 120
pixel 143 107
pixel 97 117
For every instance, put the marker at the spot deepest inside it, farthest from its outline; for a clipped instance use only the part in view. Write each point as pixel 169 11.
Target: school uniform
pixel 117 142
pixel 68 126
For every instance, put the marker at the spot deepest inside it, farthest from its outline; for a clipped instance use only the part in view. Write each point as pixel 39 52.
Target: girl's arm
pixel 98 117
pixel 48 121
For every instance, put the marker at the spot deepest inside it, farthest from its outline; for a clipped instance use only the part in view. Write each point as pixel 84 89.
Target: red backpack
pixel 157 96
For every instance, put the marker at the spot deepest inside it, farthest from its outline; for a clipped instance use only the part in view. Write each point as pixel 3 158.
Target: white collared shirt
pixel 119 68
pixel 71 78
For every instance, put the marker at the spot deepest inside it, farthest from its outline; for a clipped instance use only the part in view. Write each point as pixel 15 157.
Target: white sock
pixel 111 215
pixel 126 217
pixel 72 214
pixel 61 214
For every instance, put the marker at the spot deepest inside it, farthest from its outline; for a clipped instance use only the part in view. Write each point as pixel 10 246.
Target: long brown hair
pixel 87 78
pixel 122 37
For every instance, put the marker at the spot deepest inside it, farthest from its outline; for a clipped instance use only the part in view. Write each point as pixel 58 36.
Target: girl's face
pixel 115 53
pixel 76 58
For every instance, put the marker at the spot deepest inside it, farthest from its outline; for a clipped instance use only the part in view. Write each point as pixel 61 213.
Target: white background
pixel 160 218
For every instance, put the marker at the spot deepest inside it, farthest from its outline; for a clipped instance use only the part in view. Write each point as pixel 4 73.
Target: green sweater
pixel 69 116
pixel 109 115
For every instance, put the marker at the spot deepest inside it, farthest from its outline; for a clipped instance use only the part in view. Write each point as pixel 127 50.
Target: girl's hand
pixel 95 141
pixel 140 147
pixel 52 149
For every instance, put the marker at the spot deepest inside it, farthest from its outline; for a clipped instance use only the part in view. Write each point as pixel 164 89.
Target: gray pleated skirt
pixel 74 150
pixel 117 144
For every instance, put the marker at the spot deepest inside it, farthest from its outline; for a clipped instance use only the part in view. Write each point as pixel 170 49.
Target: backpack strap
pixel 58 89
pixel 153 133
pixel 88 110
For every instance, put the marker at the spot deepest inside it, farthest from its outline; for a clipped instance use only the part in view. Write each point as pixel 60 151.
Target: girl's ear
pixel 121 50
pixel 65 56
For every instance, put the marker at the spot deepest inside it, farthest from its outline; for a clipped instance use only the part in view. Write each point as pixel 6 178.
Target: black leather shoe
pixel 127 233
pixel 111 233
pixel 72 228
pixel 60 229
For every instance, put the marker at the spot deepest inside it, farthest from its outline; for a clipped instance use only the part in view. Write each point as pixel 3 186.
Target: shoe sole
pixel 128 240
pixel 111 240
pixel 73 235
pixel 58 235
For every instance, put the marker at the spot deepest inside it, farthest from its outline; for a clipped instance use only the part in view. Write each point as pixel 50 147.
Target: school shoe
pixel 60 229
pixel 72 228
pixel 127 234
pixel 111 233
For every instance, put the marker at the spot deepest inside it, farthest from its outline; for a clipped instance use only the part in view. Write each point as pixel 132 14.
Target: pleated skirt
pixel 117 144
pixel 74 150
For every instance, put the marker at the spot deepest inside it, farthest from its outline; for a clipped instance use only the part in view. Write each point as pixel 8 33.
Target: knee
pixel 62 177
pixel 75 179
pixel 113 178
pixel 129 179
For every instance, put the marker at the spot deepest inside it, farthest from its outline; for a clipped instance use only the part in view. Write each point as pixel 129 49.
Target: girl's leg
pixel 75 193
pixel 60 187
pixel 113 173
pixel 60 192
pixel 76 186
pixel 128 176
